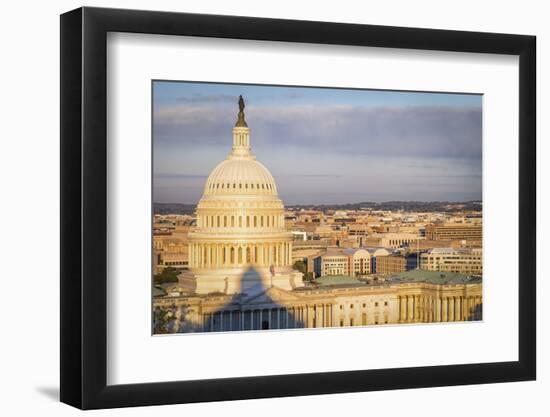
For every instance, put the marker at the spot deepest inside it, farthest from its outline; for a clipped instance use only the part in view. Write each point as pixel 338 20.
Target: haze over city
pixel 322 146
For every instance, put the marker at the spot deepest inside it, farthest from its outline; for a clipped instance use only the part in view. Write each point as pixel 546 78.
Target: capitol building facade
pixel 240 274
pixel 240 227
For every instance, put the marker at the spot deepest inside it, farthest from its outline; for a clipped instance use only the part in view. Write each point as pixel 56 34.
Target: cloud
pixel 211 98
pixel 442 132
pixel 326 153
pixel 178 176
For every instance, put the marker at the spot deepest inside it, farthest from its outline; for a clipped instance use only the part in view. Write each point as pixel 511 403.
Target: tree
pixel 168 274
pixel 300 266
pixel 162 320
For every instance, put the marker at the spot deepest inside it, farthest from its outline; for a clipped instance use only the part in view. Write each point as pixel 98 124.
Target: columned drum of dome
pixel 239 244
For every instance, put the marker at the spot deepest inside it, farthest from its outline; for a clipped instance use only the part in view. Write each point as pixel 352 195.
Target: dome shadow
pixel 261 307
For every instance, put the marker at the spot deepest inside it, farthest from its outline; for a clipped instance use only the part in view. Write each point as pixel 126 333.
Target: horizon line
pixel 359 202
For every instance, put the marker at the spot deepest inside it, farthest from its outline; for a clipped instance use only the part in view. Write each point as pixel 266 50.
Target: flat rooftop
pixel 433 277
pixel 412 276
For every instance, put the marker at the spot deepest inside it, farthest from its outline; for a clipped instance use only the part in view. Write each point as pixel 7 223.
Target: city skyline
pixel 336 146
pixel 241 260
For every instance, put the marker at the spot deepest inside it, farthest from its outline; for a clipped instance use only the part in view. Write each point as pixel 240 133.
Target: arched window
pixel 247 221
pixel 255 221
pixel 232 221
pixel 261 221
pixel 240 221
pixel 224 221
pixel 240 255
pixel 218 221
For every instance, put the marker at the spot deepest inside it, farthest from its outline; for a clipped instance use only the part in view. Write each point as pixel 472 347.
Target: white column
pixel 261 254
pixel 288 254
pixel 403 304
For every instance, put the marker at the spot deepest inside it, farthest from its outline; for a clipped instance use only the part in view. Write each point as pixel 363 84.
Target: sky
pixel 322 145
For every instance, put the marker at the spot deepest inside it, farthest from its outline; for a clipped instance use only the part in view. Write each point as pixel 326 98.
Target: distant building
pixel 350 262
pixel 296 235
pixel 357 229
pixel 391 264
pixel 464 261
pixel 334 262
pixel 359 260
pixel 169 251
pixel 392 240
pixel 413 260
pixel 375 253
pixel 454 231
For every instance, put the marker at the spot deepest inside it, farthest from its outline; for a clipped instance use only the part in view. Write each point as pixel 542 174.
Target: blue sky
pixel 322 145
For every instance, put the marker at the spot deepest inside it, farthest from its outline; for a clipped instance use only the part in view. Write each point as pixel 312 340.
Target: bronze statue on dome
pixel 240 121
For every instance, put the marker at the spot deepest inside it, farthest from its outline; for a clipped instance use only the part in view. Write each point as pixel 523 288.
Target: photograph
pixel 302 207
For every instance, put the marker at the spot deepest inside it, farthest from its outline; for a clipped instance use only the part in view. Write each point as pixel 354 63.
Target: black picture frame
pixel 84 207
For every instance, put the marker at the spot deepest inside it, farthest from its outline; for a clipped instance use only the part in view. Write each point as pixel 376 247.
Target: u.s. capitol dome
pixel 240 244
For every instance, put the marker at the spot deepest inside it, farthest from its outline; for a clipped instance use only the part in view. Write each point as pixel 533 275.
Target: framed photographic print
pixel 258 207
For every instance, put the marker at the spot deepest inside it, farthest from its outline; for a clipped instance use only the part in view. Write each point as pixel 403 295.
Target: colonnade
pixel 301 316
pixel 222 255
pixel 274 221
pixel 426 308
